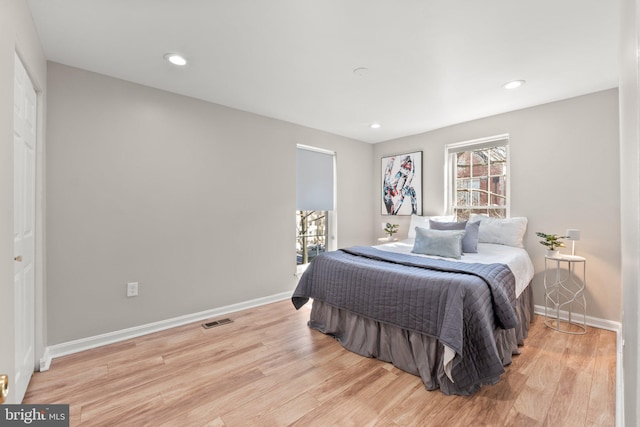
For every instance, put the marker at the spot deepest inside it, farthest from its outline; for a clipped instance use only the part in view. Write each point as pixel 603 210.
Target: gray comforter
pixel 460 304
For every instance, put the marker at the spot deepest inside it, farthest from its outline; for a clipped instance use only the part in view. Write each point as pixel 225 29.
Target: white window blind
pixel 314 185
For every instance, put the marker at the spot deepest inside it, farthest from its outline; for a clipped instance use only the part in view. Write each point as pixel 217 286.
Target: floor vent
pixel 215 323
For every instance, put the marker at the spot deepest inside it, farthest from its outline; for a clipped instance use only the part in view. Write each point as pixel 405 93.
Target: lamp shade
pixel 573 234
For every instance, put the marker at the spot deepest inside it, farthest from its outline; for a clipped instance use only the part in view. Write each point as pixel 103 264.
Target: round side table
pixel 564 300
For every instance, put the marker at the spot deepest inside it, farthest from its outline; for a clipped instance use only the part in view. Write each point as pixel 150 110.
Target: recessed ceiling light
pixel 375 125
pixel 514 84
pixel 175 59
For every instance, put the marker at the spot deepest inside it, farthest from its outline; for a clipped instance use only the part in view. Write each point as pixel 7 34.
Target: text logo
pixel 34 415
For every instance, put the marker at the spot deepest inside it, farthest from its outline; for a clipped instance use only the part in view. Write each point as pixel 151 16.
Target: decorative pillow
pixel 438 225
pixel 470 239
pixel 423 222
pixel 444 243
pixel 509 231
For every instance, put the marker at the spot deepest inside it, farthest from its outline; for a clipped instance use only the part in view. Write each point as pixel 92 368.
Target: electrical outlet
pixel 132 289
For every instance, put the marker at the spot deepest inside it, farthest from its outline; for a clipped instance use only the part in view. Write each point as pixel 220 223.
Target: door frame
pixel 40 243
pixel 40 220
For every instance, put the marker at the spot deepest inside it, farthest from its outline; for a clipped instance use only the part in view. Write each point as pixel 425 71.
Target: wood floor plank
pixel 535 342
pixel 493 403
pixel 137 413
pixel 267 368
pixel 515 418
pixel 455 412
pixel 419 404
pixel 601 407
pixel 569 404
pixel 353 404
pixel 343 380
pixel 270 409
pixel 543 377
pixel 283 415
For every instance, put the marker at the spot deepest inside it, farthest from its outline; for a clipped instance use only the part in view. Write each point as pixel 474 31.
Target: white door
pixel 24 146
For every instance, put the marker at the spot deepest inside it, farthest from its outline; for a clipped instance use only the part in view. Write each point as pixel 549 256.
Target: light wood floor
pixel 269 369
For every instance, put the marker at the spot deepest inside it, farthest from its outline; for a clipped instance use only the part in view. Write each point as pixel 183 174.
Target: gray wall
pixel 194 200
pixel 564 174
pixel 630 204
pixel 18 34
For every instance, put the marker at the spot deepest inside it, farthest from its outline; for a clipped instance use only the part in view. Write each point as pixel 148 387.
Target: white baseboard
pixel 70 347
pixel 596 322
pixel 45 361
pixel 616 327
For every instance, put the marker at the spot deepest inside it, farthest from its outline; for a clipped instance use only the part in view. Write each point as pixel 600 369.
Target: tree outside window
pixel 311 236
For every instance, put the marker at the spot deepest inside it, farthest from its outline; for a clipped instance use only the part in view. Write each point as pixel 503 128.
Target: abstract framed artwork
pixel 402 184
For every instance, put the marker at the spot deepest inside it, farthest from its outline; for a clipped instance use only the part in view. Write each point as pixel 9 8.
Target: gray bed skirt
pixel 414 352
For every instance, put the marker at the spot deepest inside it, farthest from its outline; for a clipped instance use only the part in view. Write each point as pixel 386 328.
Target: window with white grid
pixel 479 177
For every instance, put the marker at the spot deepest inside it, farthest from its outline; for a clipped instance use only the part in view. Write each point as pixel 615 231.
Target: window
pixel 315 213
pixel 479 177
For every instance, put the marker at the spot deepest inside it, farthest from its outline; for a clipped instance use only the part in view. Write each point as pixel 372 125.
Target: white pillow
pixel 502 231
pixel 423 222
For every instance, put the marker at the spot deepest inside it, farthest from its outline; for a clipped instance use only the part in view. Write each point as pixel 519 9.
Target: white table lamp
pixel 573 235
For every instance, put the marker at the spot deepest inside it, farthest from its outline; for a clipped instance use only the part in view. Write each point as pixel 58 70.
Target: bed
pixel 454 322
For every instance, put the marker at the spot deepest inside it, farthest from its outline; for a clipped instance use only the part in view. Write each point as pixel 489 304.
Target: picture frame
pixel 402 184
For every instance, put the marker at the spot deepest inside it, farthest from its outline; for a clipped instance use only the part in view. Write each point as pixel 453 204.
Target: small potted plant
pixel 390 229
pixel 552 242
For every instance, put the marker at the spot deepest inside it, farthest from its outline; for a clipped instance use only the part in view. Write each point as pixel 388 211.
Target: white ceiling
pixel 431 63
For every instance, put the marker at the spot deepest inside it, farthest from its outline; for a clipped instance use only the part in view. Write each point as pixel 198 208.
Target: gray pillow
pixel 470 239
pixel 444 243
pixel 435 225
